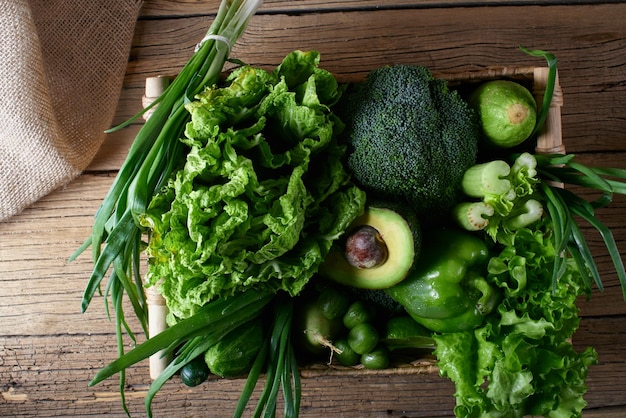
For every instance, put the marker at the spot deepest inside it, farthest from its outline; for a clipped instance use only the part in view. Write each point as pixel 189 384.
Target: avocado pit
pixel 365 248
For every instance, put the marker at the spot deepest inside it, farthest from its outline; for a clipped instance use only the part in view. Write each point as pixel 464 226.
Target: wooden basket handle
pixel 157 308
pixel 550 139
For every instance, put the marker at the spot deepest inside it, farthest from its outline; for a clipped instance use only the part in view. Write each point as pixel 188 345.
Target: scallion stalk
pixel 116 236
pixel 564 207
pixel 153 156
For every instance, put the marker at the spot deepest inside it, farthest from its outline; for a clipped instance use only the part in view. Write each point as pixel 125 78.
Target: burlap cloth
pixel 62 64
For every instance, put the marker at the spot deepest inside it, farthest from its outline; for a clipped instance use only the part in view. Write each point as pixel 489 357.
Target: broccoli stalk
pixel 505 196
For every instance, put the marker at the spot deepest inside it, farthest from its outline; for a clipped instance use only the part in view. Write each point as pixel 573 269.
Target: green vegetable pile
pixel 242 186
pixel 523 349
pixel 251 213
pixel 337 325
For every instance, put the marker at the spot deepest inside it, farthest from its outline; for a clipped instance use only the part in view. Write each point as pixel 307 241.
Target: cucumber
pixel 195 372
pixel 234 354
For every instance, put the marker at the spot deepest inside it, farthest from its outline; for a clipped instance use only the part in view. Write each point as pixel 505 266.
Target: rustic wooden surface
pixel 49 350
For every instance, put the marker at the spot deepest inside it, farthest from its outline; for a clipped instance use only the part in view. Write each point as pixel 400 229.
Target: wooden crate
pixel 549 141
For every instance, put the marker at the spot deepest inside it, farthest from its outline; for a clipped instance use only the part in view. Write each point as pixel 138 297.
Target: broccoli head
pixel 409 137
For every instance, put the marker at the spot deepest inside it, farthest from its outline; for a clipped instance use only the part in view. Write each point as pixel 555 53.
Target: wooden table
pixel 49 350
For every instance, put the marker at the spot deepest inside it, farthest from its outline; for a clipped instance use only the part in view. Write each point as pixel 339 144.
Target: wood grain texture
pixel 587 39
pixel 49 350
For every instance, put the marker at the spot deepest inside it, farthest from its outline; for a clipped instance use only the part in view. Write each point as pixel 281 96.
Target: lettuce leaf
pixel 521 361
pixel 263 192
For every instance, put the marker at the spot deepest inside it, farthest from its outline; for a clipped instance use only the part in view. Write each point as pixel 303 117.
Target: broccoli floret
pixel 409 137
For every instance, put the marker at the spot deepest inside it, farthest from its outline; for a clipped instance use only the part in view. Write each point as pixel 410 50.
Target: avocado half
pixel 398 230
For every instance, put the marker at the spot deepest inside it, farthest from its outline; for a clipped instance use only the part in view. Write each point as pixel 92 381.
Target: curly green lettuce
pixel 263 192
pixel 522 362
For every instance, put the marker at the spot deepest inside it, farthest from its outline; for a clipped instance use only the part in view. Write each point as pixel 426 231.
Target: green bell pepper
pixel 446 292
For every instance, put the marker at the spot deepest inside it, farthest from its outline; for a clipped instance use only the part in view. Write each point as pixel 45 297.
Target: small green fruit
pixel 507 110
pixel 347 356
pixel 376 359
pixel 363 338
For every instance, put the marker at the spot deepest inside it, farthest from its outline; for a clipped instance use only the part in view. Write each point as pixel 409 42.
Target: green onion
pixel 199 342
pixel 215 317
pixel 281 368
pixel 550 84
pixel 564 207
pixel 156 152
pixel 116 236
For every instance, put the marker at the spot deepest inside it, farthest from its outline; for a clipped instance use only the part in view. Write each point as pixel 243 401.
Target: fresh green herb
pixel 566 208
pixel 154 154
pixel 281 369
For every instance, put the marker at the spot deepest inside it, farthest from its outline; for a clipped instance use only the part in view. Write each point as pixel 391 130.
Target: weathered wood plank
pixel 588 40
pixel 165 8
pixel 47 376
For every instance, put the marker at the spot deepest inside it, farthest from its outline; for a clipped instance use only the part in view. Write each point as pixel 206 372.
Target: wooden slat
pixel 588 40
pixel 166 8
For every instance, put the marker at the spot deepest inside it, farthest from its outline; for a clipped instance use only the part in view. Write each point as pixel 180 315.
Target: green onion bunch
pixel 116 236
pixel 566 209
